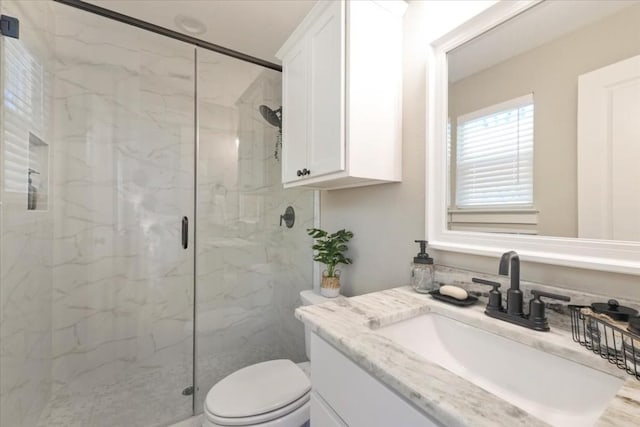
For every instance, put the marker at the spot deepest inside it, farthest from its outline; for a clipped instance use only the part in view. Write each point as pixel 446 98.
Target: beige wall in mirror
pixel 538 55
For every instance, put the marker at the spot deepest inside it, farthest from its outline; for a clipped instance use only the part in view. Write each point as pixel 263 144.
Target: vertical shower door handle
pixel 185 232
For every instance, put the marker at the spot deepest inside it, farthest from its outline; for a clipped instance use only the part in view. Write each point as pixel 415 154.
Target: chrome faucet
pixel 536 319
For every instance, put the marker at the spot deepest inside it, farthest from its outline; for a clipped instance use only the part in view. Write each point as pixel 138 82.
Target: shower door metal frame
pixel 196 156
pixel 129 20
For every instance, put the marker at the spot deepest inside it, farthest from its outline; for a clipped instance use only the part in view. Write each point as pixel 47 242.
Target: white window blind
pixel 494 151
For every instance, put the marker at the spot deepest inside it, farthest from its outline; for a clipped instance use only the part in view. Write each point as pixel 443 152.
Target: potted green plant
pixel 330 251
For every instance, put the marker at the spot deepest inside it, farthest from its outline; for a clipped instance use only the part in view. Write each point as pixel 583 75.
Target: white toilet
pixel 269 394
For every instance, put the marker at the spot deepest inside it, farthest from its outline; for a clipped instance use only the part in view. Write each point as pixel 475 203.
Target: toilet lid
pixel 257 389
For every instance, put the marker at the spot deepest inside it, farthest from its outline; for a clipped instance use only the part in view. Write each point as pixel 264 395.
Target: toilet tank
pixel 309 297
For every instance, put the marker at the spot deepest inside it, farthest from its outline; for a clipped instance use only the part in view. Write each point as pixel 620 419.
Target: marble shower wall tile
pixel 250 270
pixel 25 235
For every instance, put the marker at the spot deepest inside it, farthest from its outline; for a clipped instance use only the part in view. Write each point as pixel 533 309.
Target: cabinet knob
pixel 299 172
pixel 306 171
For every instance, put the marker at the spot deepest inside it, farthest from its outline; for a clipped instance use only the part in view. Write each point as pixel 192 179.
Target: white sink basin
pixel 553 389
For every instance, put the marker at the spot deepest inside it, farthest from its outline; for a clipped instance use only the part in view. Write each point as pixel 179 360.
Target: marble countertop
pixel 349 324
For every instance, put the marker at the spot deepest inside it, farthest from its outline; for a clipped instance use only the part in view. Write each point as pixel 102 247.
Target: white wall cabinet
pixel 343 394
pixel 342 96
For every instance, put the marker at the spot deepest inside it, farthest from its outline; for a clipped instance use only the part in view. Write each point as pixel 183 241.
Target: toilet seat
pixel 300 405
pixel 258 394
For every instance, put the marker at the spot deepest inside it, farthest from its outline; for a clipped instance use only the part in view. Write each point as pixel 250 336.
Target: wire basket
pixel 619 346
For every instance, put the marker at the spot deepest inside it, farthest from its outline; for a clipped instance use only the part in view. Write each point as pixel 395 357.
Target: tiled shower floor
pixel 146 399
pixel 190 422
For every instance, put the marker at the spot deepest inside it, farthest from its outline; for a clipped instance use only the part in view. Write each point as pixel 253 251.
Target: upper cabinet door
pixel 331 142
pixel 295 112
pixel 327 50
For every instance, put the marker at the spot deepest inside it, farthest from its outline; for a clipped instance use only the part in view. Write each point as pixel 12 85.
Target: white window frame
pixel 512 104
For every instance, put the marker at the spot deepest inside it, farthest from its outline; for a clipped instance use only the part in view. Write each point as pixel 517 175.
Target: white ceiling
pixel 254 27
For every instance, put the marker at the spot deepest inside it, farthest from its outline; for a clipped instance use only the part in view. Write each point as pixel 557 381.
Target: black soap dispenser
pixel 422 271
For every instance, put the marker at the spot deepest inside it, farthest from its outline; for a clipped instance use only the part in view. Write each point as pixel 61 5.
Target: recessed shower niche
pixel 38 174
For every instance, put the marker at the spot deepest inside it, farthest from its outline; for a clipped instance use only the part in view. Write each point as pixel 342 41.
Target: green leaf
pixel 330 247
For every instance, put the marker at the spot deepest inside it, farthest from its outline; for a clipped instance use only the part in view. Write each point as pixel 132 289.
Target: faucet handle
pixel 536 308
pixel 537 294
pixel 495 297
pixel 486 282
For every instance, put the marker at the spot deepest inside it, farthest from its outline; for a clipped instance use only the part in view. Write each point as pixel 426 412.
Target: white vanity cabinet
pixel 342 88
pixel 343 394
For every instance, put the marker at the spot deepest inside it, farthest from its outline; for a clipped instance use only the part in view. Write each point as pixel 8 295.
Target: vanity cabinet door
pixel 322 415
pixel 358 399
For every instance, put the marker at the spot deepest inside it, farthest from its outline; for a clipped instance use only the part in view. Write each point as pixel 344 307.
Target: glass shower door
pixel 124 196
pixel 250 266
pixel 99 125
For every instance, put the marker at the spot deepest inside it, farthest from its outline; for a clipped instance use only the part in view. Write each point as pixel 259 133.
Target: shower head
pixel 274 118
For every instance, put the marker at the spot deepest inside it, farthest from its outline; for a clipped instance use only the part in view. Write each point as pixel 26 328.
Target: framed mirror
pixel 534 138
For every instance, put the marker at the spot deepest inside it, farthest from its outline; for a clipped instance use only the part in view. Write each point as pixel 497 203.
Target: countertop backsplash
pixel 557 311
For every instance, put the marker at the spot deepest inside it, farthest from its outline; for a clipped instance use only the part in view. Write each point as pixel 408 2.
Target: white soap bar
pixel 454 291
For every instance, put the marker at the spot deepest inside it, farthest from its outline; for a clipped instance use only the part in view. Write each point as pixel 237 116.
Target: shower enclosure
pixel 141 257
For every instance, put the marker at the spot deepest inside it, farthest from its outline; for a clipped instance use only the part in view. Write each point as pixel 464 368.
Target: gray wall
pixel 387 218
